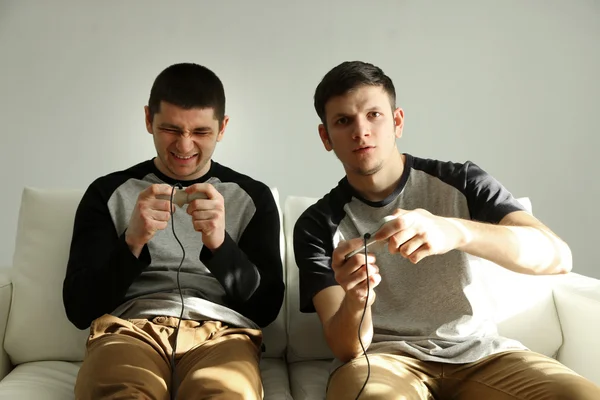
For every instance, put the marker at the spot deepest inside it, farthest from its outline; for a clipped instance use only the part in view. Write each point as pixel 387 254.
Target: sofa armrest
pixel 5 300
pixel 577 300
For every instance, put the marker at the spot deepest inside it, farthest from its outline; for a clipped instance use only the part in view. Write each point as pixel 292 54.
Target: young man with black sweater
pixel 134 258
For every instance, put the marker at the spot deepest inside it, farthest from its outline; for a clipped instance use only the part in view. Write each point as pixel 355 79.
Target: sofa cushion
pixel 48 380
pixel 55 380
pixel 308 379
pixel 305 336
pixel 577 300
pixel 276 382
pixel 37 315
pixel 520 304
pixel 274 335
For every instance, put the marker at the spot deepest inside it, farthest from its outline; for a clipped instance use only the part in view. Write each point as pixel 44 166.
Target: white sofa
pixel 556 315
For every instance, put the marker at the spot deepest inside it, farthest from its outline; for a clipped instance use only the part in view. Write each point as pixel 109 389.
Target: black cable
pixel 174 383
pixel 366 237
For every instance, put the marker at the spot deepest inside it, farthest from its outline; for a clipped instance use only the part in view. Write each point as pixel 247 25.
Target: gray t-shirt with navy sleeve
pixel 431 310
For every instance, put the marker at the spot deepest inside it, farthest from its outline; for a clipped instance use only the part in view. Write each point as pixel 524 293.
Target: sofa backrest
pixel 522 305
pixel 37 327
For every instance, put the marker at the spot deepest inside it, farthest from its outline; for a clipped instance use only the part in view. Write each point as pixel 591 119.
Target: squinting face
pixel 184 139
pixel 362 129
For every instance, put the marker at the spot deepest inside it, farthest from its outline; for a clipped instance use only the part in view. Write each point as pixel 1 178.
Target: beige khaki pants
pixel 522 375
pixel 130 359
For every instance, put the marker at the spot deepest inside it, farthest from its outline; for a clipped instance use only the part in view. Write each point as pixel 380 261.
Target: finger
pixel 352 264
pixel 160 225
pixel 158 189
pixel 361 288
pixel 400 238
pixel 159 205
pixel 152 225
pixel 404 221
pixel 360 275
pixel 199 215
pixel 409 247
pixel 205 226
pixel 420 253
pixel 375 280
pixel 155 215
pixel 345 247
pixel 206 189
pixel 204 204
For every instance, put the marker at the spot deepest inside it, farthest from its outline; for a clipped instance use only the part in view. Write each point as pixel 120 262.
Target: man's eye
pixel 342 121
pixel 375 114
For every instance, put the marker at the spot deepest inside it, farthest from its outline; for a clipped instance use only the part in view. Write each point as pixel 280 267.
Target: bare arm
pixel 520 242
pixel 340 308
pixel 340 317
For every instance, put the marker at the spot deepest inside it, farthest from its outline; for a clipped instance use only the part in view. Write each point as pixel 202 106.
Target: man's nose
pixel 185 143
pixel 362 128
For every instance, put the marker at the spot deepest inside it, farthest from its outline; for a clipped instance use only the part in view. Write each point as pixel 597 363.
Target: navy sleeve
pixel 101 267
pixel 313 247
pixel 488 200
pixel 251 270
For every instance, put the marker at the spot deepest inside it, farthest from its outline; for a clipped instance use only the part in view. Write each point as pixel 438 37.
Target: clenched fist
pixel 149 215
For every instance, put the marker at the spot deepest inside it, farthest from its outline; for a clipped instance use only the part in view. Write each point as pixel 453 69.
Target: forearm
pixel 97 280
pixel 341 330
pixel 524 249
pixel 264 304
pixel 231 267
pixel 255 292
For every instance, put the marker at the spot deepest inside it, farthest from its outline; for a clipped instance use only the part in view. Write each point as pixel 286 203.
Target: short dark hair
pixel 188 86
pixel 347 76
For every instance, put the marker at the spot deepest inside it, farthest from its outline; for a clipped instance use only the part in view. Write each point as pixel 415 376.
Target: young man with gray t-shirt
pixel 419 314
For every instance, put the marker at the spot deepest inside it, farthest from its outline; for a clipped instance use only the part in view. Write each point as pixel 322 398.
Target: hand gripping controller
pixel 372 240
pixel 181 197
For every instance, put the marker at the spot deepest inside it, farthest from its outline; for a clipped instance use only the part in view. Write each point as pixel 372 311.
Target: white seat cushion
pixel 55 380
pixel 274 335
pixel 275 379
pixel 578 303
pixel 308 379
pixel 521 305
pixel 42 380
pixel 305 335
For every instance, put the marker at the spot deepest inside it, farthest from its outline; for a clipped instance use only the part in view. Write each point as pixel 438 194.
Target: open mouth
pixel 183 158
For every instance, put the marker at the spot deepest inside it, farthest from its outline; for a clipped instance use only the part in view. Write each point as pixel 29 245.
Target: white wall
pixel 511 85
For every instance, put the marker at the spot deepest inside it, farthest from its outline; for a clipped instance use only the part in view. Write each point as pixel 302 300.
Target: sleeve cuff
pixel 222 255
pixel 127 256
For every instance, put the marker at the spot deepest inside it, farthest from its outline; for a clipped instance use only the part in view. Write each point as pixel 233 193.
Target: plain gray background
pixel 511 85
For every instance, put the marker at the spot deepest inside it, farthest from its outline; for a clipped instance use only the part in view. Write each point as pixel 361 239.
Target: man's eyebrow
pixel 203 128
pixel 339 114
pixel 173 126
pixel 170 126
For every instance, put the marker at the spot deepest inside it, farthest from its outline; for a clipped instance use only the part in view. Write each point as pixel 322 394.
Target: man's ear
pixel 398 121
pixel 325 137
pixel 148 119
pixel 222 129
